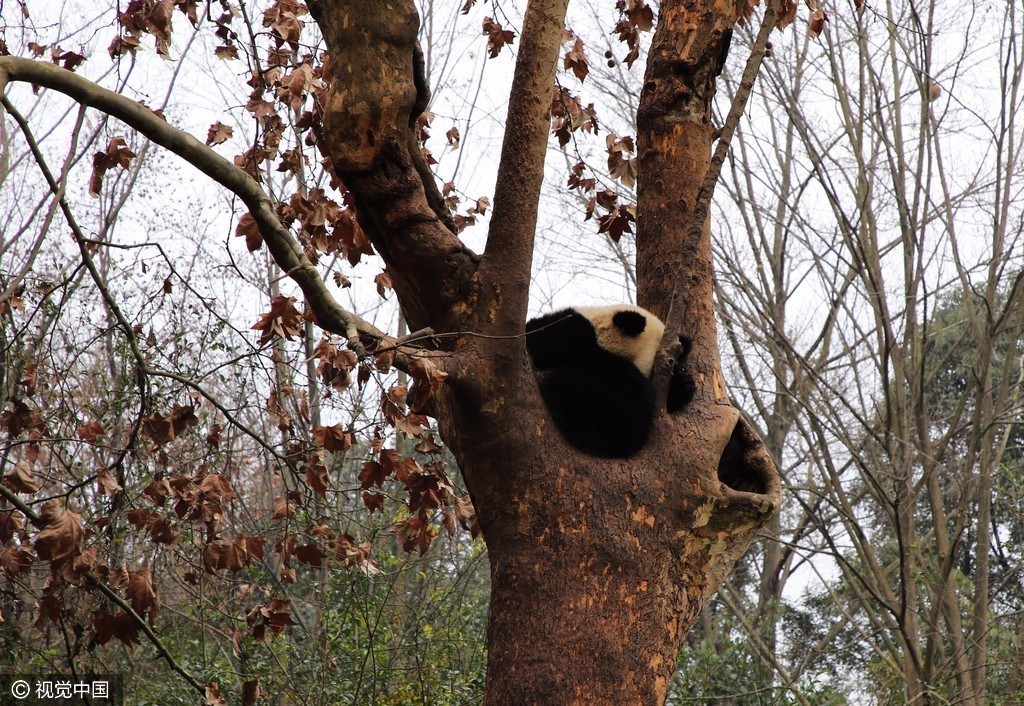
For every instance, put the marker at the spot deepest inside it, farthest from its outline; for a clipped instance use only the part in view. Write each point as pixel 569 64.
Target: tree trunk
pixel 598 567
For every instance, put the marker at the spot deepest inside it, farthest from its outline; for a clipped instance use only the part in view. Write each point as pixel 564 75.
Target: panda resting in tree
pixel 593 366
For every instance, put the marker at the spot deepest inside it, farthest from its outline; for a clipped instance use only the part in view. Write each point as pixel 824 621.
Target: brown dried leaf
pixel 121 45
pixel 619 166
pixel 496 36
pixel 359 557
pixel 354 240
pixel 61 536
pixel 218 133
pixel 428 445
pixel 213 695
pixel 158 491
pixel 163 429
pixel 283 320
pixel 68 60
pixel 277 413
pixel 334 439
pixel 15 561
pixel 11 522
pixel 427 378
pixel 334 364
pixel 787 14
pixel 576 59
pixel 50 611
pixel 249 548
pixel 283 508
pixel 414 533
pixel 269 620
pixel 117 154
pixel 142 594
pixel 215 436
pixel 227 52
pixel 215 556
pixel 467 515
pixel 107 482
pixel 374 502
pixel 20 418
pixel 29 378
pixel 247 227
pixel 317 475
pixel 383 282
pixel 250 692
pixel 310 555
pixel 20 478
pixel 373 473
pixel 90 432
pixel 817 23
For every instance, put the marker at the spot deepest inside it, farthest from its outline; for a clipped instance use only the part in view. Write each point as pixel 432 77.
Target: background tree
pixel 894 424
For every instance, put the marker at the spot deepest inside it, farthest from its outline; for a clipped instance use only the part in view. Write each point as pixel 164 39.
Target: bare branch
pixel 282 245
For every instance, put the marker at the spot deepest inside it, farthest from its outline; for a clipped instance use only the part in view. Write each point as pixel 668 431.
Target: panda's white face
pixel 640 348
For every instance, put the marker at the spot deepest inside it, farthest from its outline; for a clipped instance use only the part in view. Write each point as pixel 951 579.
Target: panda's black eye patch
pixel 630 323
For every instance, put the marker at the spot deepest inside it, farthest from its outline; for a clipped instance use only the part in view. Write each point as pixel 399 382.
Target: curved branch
pixel 282 245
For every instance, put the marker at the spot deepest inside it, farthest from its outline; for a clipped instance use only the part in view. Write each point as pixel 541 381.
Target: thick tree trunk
pixel 599 567
pixel 597 575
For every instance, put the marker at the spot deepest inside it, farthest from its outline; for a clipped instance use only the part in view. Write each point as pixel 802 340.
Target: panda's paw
pixel 685 344
pixel 681 388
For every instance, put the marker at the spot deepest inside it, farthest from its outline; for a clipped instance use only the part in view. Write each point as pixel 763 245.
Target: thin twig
pixel 111 594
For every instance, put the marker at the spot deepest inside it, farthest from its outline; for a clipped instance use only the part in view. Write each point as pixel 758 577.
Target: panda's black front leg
pixel 681 387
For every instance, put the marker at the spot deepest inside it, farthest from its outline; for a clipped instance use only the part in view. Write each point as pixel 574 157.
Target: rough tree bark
pixel 598 567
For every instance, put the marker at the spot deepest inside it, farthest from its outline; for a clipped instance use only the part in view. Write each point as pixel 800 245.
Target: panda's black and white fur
pixel 593 365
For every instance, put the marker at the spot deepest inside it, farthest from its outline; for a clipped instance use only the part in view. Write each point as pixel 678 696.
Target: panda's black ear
pixel 629 322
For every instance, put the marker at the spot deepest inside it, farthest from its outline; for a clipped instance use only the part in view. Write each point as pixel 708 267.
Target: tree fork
pixel 599 567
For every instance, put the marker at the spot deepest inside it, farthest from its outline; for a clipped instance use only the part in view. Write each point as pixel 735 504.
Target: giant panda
pixel 593 365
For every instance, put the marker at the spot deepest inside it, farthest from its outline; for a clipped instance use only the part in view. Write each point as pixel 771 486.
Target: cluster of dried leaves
pixel 636 16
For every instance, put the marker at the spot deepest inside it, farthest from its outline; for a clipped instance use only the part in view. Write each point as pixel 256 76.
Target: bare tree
pixel 874 257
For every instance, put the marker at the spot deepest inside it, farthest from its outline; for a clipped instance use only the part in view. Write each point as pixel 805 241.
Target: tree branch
pixel 377 91
pixel 508 258
pixel 702 205
pixel 675 133
pixel 282 245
